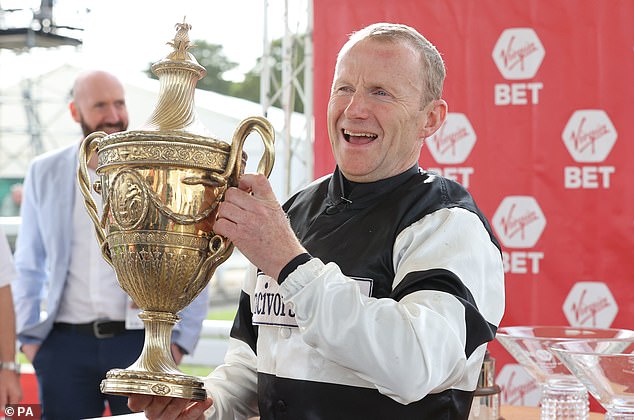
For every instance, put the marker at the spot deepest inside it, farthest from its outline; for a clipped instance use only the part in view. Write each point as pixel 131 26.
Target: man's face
pixel 101 107
pixel 376 121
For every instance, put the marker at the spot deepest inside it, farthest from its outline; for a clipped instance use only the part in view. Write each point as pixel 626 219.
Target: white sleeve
pixel 416 345
pixel 233 386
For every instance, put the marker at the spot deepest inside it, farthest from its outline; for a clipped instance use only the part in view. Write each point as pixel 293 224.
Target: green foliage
pixel 196 370
pixel 223 313
pixel 249 88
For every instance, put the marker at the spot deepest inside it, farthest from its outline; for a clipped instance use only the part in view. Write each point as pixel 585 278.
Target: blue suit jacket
pixel 43 251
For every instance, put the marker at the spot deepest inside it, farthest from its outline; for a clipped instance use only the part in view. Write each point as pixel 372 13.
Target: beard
pixel 107 127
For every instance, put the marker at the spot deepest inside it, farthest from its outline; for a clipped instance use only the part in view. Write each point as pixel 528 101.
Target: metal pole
pixel 287 95
pixel 309 141
pixel 265 75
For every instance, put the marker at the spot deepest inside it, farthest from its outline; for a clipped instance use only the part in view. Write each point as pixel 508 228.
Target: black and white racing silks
pixel 389 320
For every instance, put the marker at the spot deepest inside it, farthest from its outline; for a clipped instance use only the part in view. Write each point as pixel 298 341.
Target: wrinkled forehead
pixel 379 42
pixel 381 55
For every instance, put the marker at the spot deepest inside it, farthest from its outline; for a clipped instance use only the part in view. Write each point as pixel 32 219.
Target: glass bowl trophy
pixel 606 368
pixel 160 187
pixel 563 397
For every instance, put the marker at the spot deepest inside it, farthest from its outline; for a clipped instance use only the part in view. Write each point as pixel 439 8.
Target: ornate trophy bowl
pixel 160 188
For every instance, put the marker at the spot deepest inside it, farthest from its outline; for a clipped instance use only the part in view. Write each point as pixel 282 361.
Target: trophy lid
pixel 173 134
pixel 178 74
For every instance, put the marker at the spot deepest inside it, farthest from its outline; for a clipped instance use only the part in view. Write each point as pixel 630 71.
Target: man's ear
pixel 74 112
pixel 435 113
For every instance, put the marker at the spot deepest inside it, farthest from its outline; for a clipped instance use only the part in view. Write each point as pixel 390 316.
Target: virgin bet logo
pixel 453 142
pixel 589 135
pixel 519 223
pixel 518 53
pixel 590 304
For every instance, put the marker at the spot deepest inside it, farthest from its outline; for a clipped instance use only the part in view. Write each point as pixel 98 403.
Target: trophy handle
pixel 264 128
pixel 86 149
pixel 220 248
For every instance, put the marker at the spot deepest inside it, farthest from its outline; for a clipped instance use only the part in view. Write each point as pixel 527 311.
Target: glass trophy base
pixel 564 400
pixel 123 382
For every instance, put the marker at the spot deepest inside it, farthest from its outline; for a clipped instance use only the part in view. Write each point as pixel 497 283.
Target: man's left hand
pixel 168 408
pixel 177 354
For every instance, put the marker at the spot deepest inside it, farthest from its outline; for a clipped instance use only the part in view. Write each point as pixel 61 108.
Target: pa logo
pixel 453 142
pixel 589 135
pixel 519 222
pixel 518 53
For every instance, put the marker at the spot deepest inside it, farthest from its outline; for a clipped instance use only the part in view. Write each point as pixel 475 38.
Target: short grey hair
pixel 434 71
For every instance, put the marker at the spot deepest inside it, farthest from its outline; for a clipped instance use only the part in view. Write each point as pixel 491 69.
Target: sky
pixel 126 35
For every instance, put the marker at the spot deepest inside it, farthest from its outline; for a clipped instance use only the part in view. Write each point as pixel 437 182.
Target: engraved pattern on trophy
pixel 161 186
pixel 131 199
pixel 195 155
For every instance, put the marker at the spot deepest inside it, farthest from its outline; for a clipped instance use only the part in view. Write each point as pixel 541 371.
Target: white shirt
pixel 92 291
pixel 7 271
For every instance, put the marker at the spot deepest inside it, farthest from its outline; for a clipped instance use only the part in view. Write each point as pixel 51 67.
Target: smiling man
pixel 379 111
pixel 377 287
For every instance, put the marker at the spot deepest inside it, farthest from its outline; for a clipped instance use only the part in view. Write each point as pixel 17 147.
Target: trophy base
pixel 123 381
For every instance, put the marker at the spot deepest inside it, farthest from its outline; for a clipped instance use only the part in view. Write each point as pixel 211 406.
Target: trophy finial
pixel 180 43
pixel 178 74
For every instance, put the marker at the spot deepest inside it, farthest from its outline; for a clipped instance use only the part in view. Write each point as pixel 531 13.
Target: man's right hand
pixel 30 350
pixel 168 408
pixel 251 217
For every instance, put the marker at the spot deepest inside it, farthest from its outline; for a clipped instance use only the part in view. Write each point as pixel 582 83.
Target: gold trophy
pixel 161 187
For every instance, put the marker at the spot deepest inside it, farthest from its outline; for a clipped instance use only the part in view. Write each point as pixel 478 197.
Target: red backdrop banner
pixel 540 130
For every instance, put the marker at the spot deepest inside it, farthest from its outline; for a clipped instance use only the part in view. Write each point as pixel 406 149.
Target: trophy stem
pixel 156 355
pixel 155 372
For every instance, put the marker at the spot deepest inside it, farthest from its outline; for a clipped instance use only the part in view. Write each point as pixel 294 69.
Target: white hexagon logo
pixel 589 135
pixel 453 142
pixel 518 53
pixel 519 221
pixel 518 387
pixel 590 304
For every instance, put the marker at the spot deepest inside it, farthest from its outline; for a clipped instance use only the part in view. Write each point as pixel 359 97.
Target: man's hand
pixel 252 218
pixel 30 350
pixel 177 354
pixel 168 408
